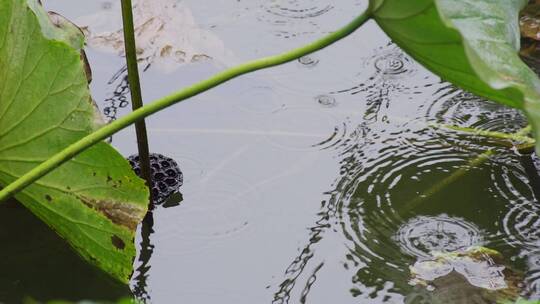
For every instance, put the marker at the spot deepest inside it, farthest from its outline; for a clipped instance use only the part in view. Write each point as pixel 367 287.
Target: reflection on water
pixel 392 158
pixel 322 181
pixel 37 263
pixel 119 97
pixel 142 266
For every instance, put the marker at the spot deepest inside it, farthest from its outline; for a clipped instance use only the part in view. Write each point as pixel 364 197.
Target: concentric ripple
pixel 407 189
pixel 386 67
pixel 296 9
pixel 397 178
pixel 386 75
pixel 511 183
pixel 390 206
pixel 223 203
pixel 512 179
pixel 328 101
pixel 384 172
pixel 522 223
pixel 423 235
pixel 308 61
pixel 456 107
pixel 258 100
pixel 297 18
pixel 380 170
pixel 533 272
pixel 391 63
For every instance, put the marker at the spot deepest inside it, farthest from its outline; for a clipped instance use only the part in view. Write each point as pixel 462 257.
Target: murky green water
pixel 314 182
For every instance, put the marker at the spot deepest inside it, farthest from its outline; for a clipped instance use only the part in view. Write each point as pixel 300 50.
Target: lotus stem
pixel 135 89
pixel 162 103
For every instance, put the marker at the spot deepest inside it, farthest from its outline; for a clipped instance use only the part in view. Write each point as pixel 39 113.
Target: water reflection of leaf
pixel 165 30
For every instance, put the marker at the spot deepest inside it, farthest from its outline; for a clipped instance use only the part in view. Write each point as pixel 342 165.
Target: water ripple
pixel 294 18
pixel 422 235
pixel 386 67
pixel 295 9
pixel 456 107
pixel 303 129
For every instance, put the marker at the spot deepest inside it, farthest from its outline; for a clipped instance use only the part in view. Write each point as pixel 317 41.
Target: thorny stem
pixel 135 89
pixel 160 104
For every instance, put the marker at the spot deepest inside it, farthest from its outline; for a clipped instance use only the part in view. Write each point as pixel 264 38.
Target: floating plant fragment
pixel 165 30
pixel 529 21
pixel 480 267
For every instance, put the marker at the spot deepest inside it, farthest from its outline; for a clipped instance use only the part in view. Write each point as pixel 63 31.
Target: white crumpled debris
pixel 165 30
pixel 475 264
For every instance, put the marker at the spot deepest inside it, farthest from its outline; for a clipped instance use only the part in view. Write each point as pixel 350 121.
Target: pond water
pixel 319 181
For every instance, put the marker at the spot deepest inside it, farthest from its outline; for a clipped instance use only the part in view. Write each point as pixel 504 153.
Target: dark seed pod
pixel 166 175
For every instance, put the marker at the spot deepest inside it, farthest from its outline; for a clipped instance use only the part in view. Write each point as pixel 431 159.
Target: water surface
pixel 314 182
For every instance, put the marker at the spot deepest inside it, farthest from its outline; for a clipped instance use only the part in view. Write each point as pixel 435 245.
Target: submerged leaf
pixel 94 201
pixel 472 275
pixel 471 43
pixel 166 32
pixel 529 22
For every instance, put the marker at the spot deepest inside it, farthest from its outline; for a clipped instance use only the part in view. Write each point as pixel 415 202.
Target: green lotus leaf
pixel 94 200
pixel 473 44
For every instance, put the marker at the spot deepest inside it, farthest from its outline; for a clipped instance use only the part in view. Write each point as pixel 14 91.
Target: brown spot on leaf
pixel 117 242
pixel 87 69
pixel 62 22
pixel 120 213
pixel 109 178
pixel 48 197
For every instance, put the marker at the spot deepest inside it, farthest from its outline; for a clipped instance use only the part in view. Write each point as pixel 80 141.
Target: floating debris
pixel 476 271
pixel 529 21
pixel 165 30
